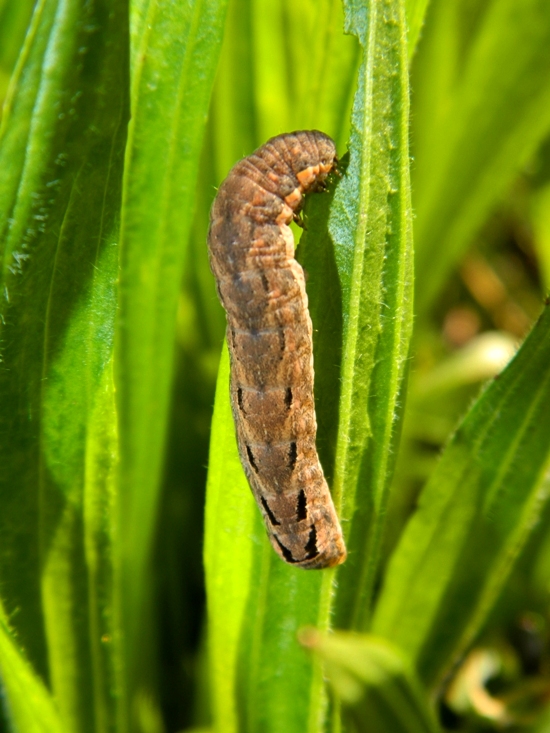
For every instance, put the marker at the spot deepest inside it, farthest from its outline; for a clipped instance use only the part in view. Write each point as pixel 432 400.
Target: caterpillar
pixel 269 334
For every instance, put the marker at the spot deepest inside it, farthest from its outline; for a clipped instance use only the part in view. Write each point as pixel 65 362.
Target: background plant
pixel 119 121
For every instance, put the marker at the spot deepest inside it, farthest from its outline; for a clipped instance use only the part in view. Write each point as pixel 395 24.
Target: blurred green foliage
pixel 119 121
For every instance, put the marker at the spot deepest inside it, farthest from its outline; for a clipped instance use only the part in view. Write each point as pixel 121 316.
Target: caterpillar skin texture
pixel 269 333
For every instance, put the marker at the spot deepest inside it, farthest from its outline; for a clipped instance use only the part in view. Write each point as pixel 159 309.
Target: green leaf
pixel 476 512
pixel 29 705
pixel 231 530
pixel 175 52
pixel 261 679
pixel 370 225
pixel 61 154
pixel 374 681
pixel 478 119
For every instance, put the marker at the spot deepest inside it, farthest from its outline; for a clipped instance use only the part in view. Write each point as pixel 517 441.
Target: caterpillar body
pixel 269 334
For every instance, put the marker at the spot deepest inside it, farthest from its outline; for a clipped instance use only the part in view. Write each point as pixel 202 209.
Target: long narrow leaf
pixel 370 224
pixel 475 514
pixel 231 531
pixel 62 154
pixel 176 47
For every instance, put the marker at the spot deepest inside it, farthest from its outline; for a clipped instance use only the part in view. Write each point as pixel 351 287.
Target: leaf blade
pixel 174 57
pixel 476 513
pixel 230 510
pixel 371 229
pixel 62 147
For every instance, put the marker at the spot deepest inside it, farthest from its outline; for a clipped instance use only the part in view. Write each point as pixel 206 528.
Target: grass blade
pixel 476 513
pixel 62 150
pixel 370 224
pixel 231 531
pixel 176 47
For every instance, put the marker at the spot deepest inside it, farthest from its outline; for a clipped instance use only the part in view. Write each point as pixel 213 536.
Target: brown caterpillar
pixel 269 333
